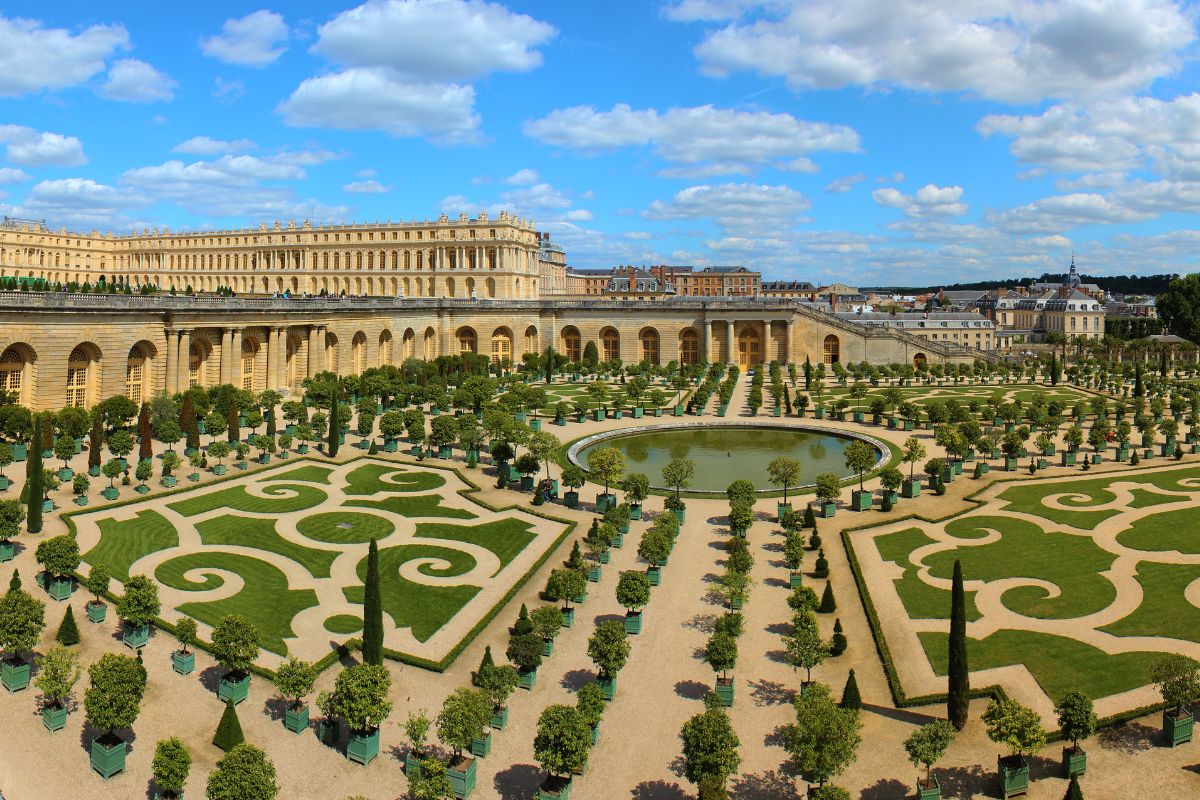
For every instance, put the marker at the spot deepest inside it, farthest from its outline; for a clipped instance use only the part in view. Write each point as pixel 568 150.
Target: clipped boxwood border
pixel 343 649
pixel 995 691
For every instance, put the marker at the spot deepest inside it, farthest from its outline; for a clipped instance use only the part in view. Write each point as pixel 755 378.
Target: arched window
pixel 358 353
pixel 249 351
pixel 78 376
pixel 501 345
pixel 649 345
pixel 832 349
pixel 531 339
pixel 689 347
pixel 12 373
pixel 571 344
pixel 135 375
pixel 610 342
pixel 385 348
pixel 467 341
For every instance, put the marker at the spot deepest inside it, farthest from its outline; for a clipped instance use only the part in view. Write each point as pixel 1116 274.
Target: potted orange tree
pixel 926 745
pixel 1020 729
pixel 1178 679
pixel 608 647
pixel 295 679
pixel 235 643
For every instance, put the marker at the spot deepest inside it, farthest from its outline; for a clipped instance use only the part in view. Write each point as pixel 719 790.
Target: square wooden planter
pixel 295 719
pixel 481 745
pixel 608 686
pixel 724 690
pixel 14 674
pixel 1177 729
pixel 234 686
pixel 1074 760
pixel 135 636
pixel 96 612
pixel 1013 773
pixel 462 778
pixel 108 755
pixel 183 663
pixel 54 718
pixel 363 747
pixel 633 622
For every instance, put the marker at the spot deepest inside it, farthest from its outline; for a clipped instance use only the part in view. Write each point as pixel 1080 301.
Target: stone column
pixel 316 344
pixel 272 377
pixel 183 362
pixel 702 343
pixel 767 346
pixel 791 342
pixel 730 356
pixel 172 354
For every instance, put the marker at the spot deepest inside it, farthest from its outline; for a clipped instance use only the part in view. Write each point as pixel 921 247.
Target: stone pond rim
pixel 717 465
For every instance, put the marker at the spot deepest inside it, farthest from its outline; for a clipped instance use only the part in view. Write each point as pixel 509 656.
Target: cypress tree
pixel 828 604
pixel 335 424
pixel 188 424
pixel 807 374
pixel 1162 363
pixel 850 695
pixel 95 441
pixel 33 475
pixel 959 697
pixel 810 519
pixel 1139 390
pixel 229 732
pixel 1073 790
pixel 68 631
pixel 233 433
pixel 372 639
pixel 145 435
pixel 484 663
pixel 1053 369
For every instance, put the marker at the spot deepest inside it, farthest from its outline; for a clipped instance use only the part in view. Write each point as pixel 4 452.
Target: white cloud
pixel 523 177
pixel 133 81
pixel 251 41
pixel 79 202
pixel 36 59
pixel 366 187
pixel 929 201
pixel 41 148
pixel 434 40
pixel 752 208
pixel 1013 52
pixel 206 146
pixel 536 196
pixel 12 175
pixel 1061 212
pixel 710 10
pixel 366 99
pixel 842 185
pixel 578 215
pixel 367 173
pixel 226 91
pixel 704 139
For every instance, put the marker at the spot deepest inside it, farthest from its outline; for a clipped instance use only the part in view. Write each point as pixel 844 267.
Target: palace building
pixel 267 307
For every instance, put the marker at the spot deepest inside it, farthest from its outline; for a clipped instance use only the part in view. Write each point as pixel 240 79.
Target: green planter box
pixel 462 778
pixel 481 746
pixel 724 690
pixel 96 612
pixel 858 416
pixel 604 502
pixel 1074 760
pixel 680 513
pixel 47 506
pixel 593 573
pixel 1067 458
pixel 219 469
pixel 14 674
pixel 527 680
pixel 947 474
pixel 185 663
pixel 65 474
pixel 720 411
pixel 54 719
pixel 654 575
pixel 295 719
pixel 547 648
pixel 795 580
pixel 633 622
pixel 638 412
pixel 328 731
pixel 363 747
pixel 389 446
pixel 1177 730
pixel 892 423
pixel 572 499
pixel 678 412
pixel 608 686
pixel 780 508
pixel 108 755
pixel 618 413
pixel 828 510
pixel 554 787
pixel 499 719
pixel 929 792
pixel 142 488
pixel 110 493
pixel 60 588
pixel 135 636
pixel 911 488
pixel 568 615
pixel 1013 772
pixel 234 686
pixel 635 512
pixel 1010 463
pixel 605 556
pixel 860 501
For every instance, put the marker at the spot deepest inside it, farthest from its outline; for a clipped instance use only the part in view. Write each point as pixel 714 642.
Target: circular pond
pixel 724 453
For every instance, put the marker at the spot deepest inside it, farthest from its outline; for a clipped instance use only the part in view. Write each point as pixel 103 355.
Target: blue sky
pixel 869 141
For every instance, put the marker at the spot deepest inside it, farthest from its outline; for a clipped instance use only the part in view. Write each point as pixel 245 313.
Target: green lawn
pixel 368 480
pixel 1028 498
pixel 420 505
pixel 921 601
pixel 311 473
pixel 424 609
pixel 1058 664
pixel 265 599
pixel 343 623
pixel 236 498
pixel 123 542
pixel 1026 551
pixel 261 534
pixel 1164 611
pixel 504 537
pixel 345 527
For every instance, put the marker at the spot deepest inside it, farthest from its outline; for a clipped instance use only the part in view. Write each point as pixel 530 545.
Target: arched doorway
pixel 610 344
pixel 80 375
pixel 249 355
pixel 430 344
pixel 468 342
pixel 16 367
pixel 920 361
pixel 571 346
pixel 749 348
pixel 832 350
pixel 531 340
pixel 138 373
pixel 408 343
pixel 502 341
pixel 689 346
pixel 648 344
pixel 331 353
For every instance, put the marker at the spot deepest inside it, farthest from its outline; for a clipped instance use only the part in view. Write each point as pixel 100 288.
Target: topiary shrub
pixel 68 631
pixel 838 644
pixel 828 603
pixel 229 732
pixel 821 568
pixel 850 695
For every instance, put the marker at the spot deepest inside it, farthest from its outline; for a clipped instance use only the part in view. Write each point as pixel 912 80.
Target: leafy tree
pixel 928 743
pixel 829 487
pixel 12 514
pixel 1011 724
pixel 235 643
pixel 678 474
pixel 22 618
pixel 912 452
pixel 360 696
pixel 114 698
pixel 430 781
pixel 1076 717
pixel 1178 680
pixel 372 637
pixel 295 679
pixel 710 747
pixel 636 486
pixel 803 645
pixel 58 672
pixel 97 581
pixel 590 702
pixel 633 590
pixel 546 621
pixel 229 730
pixel 499 681
pixel 562 741
pixel 244 773
pixel 464 713
pixel 721 652
pixel 565 584
pixel 1179 308
pixel 185 633
pixel 608 647
pixel 139 605
pixel 606 465
pixel 823 739
pixel 793 550
pixel 171 765
pixel 959 696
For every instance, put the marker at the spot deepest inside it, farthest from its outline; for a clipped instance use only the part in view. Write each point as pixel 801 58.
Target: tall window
pixel 571 345
pixel 501 346
pixel 78 365
pixel 12 372
pixel 611 343
pixel 650 346
pixel 133 378
pixel 248 365
pixel 466 340
pixel 833 348
pixel 194 361
pixel 689 347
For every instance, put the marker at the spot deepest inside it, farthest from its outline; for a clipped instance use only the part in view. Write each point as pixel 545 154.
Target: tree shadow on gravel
pixel 576 679
pixel 773 547
pixel 900 714
pixel 882 789
pixel 711 577
pixel 967 782
pixel 770 693
pixel 775 737
pixel 608 618
pixel 769 785
pixel 1041 767
pixel 778 656
pixel 275 707
pixel 779 628
pixel 678 766
pixel 518 782
pixel 719 544
pixel 1128 737
pixel 692 690
pixel 210 677
pixel 659 790
pixel 778 583
pixel 702 622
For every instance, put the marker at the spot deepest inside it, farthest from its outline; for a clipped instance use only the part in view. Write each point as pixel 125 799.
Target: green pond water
pixel 723 455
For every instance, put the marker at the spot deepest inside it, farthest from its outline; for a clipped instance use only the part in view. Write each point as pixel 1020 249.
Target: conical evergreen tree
pixel 33 474
pixel 96 442
pixel 484 662
pixel 828 604
pixel 810 519
pixel 959 697
pixel 372 450
pixel 523 625
pixel 68 631
pixel 335 423
pixel 15 581
pixel 372 640
pixel 1073 790
pixel 233 430
pixel 229 732
pixel 850 696
pixel 188 424
pixel 269 413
